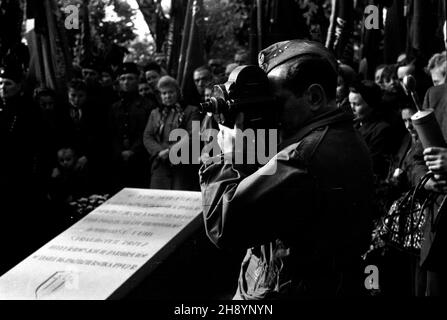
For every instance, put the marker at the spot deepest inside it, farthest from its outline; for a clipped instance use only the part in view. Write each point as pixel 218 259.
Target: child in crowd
pixel 69 181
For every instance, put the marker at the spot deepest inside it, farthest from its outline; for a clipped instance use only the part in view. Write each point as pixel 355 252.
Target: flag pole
pixel 259 24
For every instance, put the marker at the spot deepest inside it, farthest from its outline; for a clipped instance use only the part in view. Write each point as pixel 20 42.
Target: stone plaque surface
pixel 110 250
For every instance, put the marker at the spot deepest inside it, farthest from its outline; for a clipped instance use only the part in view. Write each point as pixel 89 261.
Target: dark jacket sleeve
pixel 426 104
pixel 379 147
pixel 141 118
pixel 242 210
pixel 153 147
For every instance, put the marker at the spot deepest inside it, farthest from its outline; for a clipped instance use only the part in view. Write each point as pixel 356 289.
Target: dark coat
pixel 164 175
pixel 410 160
pixel 127 120
pixel 436 99
pixel 307 223
pixel 377 134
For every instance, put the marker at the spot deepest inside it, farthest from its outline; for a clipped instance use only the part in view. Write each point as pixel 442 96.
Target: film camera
pixel 247 90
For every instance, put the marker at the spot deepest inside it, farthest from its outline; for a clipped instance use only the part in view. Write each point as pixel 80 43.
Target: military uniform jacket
pixel 305 224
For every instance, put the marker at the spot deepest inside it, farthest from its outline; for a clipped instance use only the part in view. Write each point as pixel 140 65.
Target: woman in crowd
pixel 436 68
pixel 365 100
pixel 171 115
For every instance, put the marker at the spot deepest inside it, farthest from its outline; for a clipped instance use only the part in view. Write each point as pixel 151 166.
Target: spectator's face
pixel 46 103
pixel 77 98
pixel 215 66
pixel 144 90
pixel 66 158
pixel 359 107
pixel 378 78
pixel 390 84
pixel 240 59
pixel 9 88
pixel 201 80
pixel 169 96
pixel 406 117
pixel 152 78
pixel 160 60
pixel 90 76
pixel 106 79
pixel 128 82
pixel 437 76
pixel 208 93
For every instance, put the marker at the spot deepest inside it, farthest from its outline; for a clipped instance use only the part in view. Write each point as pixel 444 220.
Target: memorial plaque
pixel 110 250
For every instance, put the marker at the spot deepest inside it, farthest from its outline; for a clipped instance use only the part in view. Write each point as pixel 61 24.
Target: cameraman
pixel 305 226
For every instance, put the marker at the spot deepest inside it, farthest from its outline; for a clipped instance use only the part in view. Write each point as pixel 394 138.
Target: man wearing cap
pixel 202 77
pixel 304 217
pixel 128 118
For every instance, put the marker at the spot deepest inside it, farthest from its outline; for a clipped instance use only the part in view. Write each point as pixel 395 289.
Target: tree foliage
pixel 226 27
pixel 104 33
pixel 141 52
pixel 227 23
pixel 118 31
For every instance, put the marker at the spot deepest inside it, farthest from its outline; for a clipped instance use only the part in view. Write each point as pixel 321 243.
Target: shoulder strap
pixel 308 129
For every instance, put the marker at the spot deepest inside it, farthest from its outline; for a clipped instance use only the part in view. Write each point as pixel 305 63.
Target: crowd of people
pixel 108 130
pixel 111 130
pixel 383 110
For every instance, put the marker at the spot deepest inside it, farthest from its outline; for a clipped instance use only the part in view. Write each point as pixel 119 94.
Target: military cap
pixel 128 67
pixel 282 52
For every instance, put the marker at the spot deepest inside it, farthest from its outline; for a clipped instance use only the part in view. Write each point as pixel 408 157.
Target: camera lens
pixel 214 105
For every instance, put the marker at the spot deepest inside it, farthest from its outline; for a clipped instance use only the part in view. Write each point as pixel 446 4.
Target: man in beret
pixel 306 225
pixel 127 121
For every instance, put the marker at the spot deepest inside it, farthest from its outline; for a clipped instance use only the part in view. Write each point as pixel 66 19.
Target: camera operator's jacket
pixel 306 225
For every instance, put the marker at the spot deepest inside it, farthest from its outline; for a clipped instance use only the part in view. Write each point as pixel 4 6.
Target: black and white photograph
pixel 197 153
